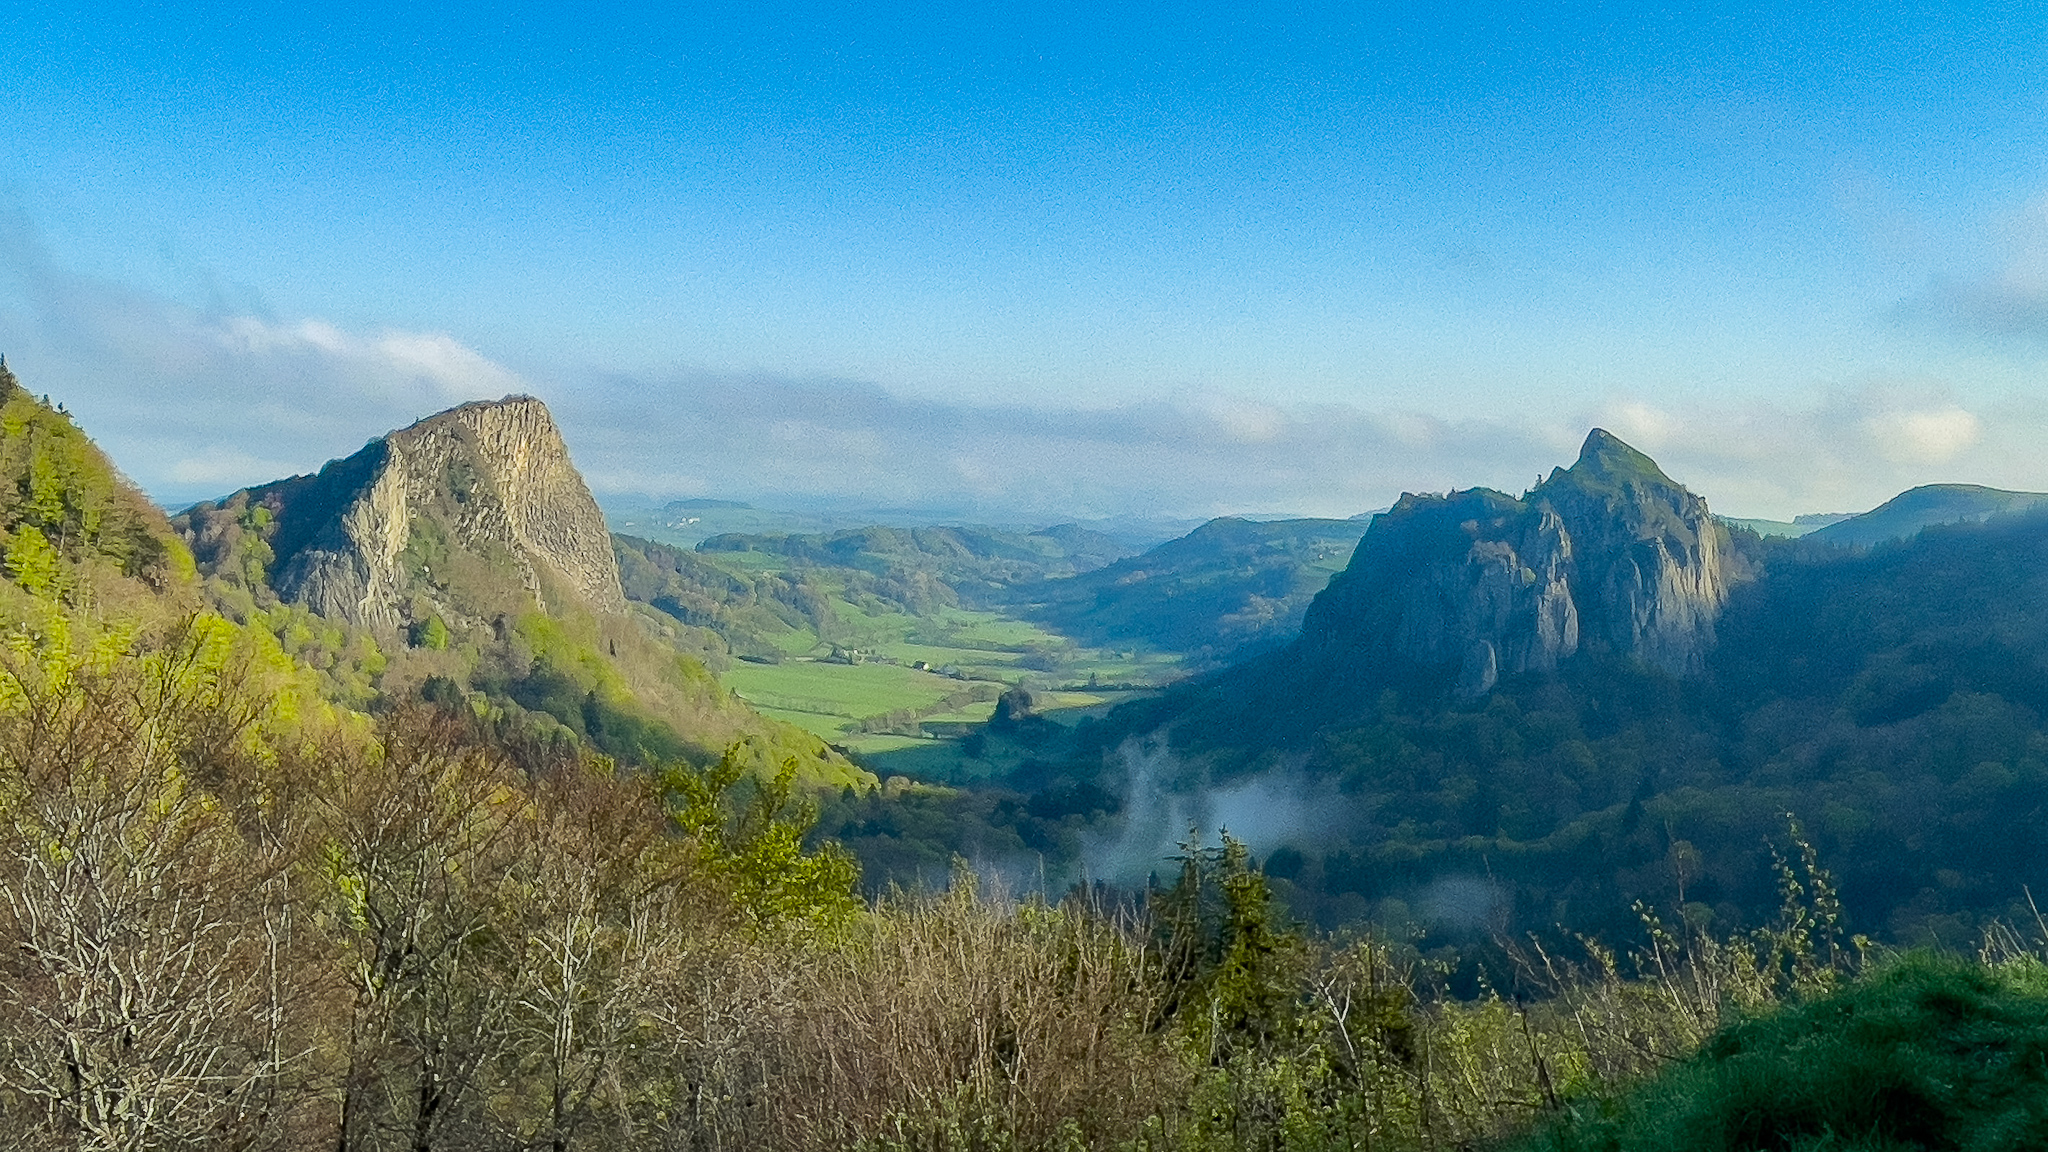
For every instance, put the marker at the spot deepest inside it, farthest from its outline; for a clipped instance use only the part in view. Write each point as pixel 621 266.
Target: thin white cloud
pixel 220 467
pixel 1841 451
pixel 1925 436
pixel 194 404
pixel 2008 301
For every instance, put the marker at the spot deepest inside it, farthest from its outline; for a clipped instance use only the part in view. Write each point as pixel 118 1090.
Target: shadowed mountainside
pixel 1471 586
pixel 1890 700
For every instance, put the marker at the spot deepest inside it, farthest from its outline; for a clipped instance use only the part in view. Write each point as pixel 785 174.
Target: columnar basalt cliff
pixel 449 514
pixel 1610 553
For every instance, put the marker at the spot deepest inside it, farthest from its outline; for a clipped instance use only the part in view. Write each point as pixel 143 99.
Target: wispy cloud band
pixel 195 402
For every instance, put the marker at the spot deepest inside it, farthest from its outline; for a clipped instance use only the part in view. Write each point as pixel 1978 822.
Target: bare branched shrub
pixel 422 850
pixel 955 1016
pixel 150 942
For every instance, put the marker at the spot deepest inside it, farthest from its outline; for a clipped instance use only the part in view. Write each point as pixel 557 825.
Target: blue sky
pixel 1024 260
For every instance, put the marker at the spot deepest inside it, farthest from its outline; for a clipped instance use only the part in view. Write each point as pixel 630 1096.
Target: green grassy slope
pixel 1926 1053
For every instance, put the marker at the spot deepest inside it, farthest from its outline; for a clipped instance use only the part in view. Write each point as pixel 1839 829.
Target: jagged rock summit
pixel 462 514
pixel 1610 553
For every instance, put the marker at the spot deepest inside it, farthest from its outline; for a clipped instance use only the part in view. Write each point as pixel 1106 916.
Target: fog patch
pixel 1463 904
pixel 1162 805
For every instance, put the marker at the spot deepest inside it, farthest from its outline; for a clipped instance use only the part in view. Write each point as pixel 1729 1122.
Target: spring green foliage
pixel 474 639
pixel 409 936
pixel 749 829
pixel 62 504
pixel 1926 1052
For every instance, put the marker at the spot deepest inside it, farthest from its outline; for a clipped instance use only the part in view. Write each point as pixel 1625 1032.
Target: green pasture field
pixel 831 698
pixel 851 691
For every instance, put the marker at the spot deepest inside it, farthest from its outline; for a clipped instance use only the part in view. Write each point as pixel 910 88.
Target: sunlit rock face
pixel 1610 553
pixel 469 512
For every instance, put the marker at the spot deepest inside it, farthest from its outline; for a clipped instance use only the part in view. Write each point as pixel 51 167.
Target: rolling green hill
pixel 921 568
pixel 1228 587
pixel 1907 513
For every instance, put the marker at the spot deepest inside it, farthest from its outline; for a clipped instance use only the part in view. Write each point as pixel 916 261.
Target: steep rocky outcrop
pixel 467 513
pixel 1610 553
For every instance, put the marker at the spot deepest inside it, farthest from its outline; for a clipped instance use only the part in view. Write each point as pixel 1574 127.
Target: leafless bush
pixel 149 963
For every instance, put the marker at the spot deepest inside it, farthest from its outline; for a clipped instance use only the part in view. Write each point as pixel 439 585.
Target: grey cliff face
pixel 1654 569
pixel 1610 553
pixel 487 487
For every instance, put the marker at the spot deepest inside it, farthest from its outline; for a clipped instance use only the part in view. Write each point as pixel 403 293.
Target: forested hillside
pixel 1889 702
pixel 67 515
pixel 1226 589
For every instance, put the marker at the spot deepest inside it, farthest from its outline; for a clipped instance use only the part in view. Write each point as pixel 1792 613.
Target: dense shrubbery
pixel 230 924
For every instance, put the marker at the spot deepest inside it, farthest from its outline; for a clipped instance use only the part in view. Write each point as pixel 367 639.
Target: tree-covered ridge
pixel 1230 587
pixel 920 569
pixel 742 612
pixel 1906 514
pixel 63 505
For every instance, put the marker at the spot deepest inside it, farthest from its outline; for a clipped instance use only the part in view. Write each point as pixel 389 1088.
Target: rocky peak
pixel 1609 552
pixel 1653 569
pixel 467 514
pixel 1604 458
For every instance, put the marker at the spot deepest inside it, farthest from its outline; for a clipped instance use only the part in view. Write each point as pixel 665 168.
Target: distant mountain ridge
pixel 1906 514
pixel 1789 529
pixel 1227 588
pixel 974 562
